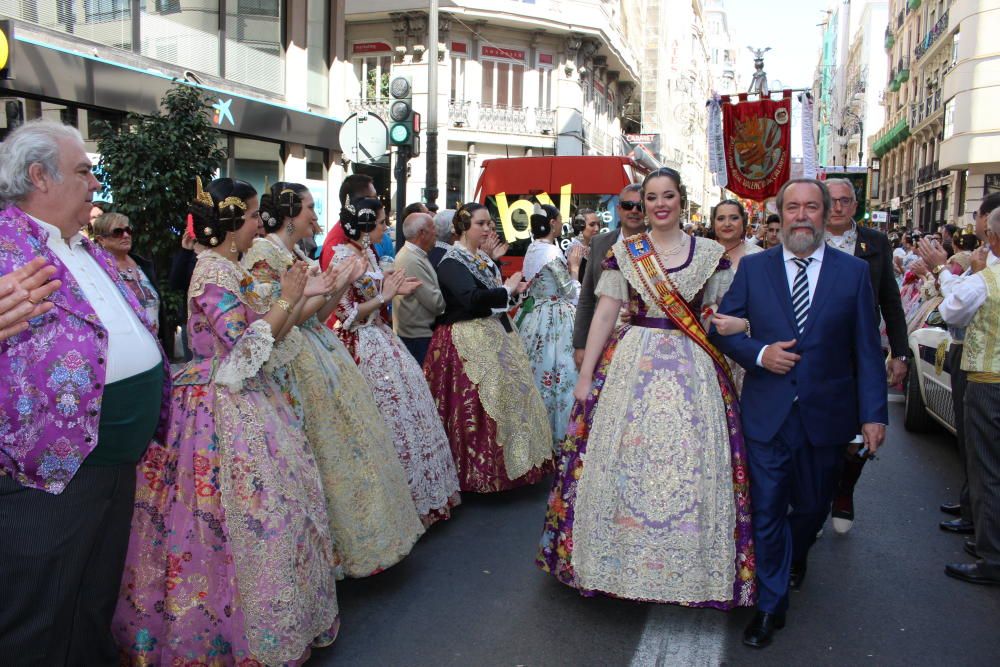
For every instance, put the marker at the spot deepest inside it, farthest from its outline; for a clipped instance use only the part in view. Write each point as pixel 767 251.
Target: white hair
pixel 844 182
pixel 413 224
pixel 35 142
pixel 993 222
pixel 443 224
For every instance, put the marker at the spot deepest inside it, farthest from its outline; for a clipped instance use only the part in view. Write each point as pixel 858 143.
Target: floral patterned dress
pixel 401 393
pixel 651 498
pixel 545 322
pixel 230 559
pixel 373 520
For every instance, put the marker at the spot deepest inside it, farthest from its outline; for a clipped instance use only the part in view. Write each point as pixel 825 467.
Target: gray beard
pixel 800 244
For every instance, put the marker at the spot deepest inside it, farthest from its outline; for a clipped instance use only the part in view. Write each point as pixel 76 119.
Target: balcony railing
pixel 921 111
pixel 932 36
pixel 379 107
pixel 929 173
pixel 499 118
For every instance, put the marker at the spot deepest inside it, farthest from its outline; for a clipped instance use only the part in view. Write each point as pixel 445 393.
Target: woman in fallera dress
pixel 651 497
pixel 400 390
pixel 479 372
pixel 230 559
pixel 729 228
pixel 373 520
pixel 546 316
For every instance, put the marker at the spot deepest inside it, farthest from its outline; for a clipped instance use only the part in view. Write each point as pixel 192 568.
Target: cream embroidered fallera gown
pixel 373 520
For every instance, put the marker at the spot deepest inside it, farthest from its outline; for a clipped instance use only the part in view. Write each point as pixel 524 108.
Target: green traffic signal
pixel 401 129
pixel 399 134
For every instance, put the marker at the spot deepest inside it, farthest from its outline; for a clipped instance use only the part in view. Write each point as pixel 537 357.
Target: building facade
pixel 970 88
pixel 269 67
pixel 917 188
pixel 514 79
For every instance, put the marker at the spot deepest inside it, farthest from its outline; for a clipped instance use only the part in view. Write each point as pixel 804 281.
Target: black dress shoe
pixel 761 629
pixel 797 575
pixel 960 526
pixel 970 548
pixel 954 509
pixel 970 572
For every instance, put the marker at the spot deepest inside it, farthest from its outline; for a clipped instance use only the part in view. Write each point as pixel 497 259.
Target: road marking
pixel 681 636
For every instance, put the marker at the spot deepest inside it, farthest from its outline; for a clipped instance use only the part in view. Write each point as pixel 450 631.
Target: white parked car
pixel 928 384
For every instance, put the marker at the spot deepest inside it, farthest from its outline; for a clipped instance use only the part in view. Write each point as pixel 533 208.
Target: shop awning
pixel 67 76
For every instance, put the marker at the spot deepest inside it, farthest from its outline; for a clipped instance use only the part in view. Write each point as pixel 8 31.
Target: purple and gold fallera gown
pixel 230 559
pixel 651 497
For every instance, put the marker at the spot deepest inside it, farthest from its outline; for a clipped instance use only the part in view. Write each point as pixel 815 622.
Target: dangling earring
pixel 233 249
pixel 365 241
pixel 290 228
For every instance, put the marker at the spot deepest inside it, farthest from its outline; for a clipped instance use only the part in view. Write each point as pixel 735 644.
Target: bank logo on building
pixel 222 113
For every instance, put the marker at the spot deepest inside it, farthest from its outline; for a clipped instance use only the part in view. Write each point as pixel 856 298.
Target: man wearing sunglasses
pixel 633 221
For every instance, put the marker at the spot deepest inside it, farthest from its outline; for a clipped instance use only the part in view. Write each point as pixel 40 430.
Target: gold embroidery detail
pixel 497 364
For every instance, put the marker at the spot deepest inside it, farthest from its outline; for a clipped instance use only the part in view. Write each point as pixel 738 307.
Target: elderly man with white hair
pixel 413 315
pixel 87 388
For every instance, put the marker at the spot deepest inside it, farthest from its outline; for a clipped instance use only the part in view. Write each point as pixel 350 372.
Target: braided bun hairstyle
pixel 359 216
pixel 543 219
pixel 282 202
pixel 463 217
pixel 219 210
pixel 673 175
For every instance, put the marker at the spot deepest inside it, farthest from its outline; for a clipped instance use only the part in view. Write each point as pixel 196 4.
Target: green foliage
pixel 148 165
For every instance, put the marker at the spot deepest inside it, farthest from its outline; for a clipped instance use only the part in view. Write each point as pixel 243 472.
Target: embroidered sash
pixel 658 284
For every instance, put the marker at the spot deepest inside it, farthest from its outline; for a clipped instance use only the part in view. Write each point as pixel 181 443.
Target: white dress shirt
pixel 792 270
pixel 131 347
pixel 963 295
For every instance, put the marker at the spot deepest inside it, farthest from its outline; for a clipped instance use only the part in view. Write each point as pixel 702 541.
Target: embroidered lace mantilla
pixel 688 281
pixel 498 365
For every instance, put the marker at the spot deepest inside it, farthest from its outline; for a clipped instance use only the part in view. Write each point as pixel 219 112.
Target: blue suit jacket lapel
pixel 779 280
pixel 824 285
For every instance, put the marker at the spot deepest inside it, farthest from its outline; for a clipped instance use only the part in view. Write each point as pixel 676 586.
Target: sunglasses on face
pixel 631 205
pixel 120 232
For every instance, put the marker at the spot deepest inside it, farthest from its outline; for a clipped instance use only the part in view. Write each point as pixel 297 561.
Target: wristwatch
pixel 939 268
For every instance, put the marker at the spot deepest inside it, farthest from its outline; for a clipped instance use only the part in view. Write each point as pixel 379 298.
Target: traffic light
pixel 401 111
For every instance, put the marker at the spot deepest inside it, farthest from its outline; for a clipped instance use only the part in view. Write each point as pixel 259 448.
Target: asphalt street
pixel 470 594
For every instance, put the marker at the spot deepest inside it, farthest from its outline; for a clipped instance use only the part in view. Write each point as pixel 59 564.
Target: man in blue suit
pixel 808 339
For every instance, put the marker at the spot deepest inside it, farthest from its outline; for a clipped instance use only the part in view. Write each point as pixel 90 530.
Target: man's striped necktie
pixel 800 293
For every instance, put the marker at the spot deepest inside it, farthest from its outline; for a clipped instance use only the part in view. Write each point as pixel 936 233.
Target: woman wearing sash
pixel 394 376
pixel 230 558
pixel 651 497
pixel 478 370
pixel 373 520
pixel 545 318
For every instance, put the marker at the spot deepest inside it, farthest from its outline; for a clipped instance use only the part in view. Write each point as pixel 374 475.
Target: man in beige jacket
pixel 414 314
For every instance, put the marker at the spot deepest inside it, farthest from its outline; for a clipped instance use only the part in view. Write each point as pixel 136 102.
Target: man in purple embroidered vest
pixel 87 388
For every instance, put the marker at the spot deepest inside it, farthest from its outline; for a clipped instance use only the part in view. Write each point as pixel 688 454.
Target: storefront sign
pixel 371 47
pixel 504 54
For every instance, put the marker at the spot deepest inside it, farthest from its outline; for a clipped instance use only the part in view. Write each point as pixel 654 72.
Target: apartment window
pixel 503 84
pixel 545 88
pixel 949 119
pixel 458 78
pixel 106 10
pixel 317 38
pixel 185 36
pixel 253 44
pixel 373 76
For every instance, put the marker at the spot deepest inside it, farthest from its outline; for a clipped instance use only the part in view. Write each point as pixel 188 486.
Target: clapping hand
pixel 494 247
pixel 390 286
pixel 293 283
pixel 408 286
pixel 574 258
pixel 931 252
pixel 979 257
pixel 515 284
pixel 320 283
pixel 22 296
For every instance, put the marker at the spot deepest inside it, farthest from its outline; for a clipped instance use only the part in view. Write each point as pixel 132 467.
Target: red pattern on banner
pixel 758 144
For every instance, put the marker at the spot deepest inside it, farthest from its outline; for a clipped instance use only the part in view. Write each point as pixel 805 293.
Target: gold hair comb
pixel 199 194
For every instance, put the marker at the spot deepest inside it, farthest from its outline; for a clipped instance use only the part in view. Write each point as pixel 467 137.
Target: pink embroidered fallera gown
pixel 230 559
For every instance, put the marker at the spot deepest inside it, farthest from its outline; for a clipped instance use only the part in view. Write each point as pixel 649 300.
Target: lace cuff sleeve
pixel 247 357
pixel 568 287
pixel 285 350
pixel 612 284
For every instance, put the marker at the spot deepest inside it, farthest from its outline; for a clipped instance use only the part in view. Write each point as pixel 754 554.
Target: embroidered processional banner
pixel 758 145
